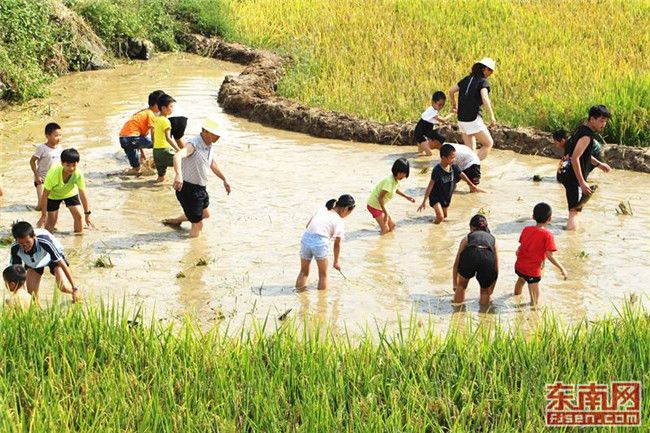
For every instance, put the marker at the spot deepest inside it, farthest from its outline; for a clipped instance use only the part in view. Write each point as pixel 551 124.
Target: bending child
pixel 383 193
pixel 443 181
pixel 535 244
pixel 15 277
pixel 425 136
pixel 478 257
pixel 326 224
pixel 44 157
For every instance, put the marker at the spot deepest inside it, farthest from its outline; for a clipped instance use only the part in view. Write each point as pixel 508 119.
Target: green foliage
pixel 94 370
pixel 206 17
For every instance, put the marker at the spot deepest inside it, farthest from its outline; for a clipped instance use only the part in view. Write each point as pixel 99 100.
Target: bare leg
pixel 77 218
pixel 486 141
pixel 174 221
pixel 33 282
pixel 39 194
pixel 533 289
pixel 572 223
pixel 469 141
pixel 519 285
pixel 390 223
pixel 52 218
pixel 195 231
pixel 322 274
pixel 459 293
pixel 486 293
pixel 383 226
pixel 301 281
pixel 440 215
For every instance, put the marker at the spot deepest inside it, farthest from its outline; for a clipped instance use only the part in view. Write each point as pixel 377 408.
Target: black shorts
pixel 473 172
pixel 435 198
pixel 51 266
pixel 479 262
pixel 573 192
pixel 424 131
pixel 193 199
pixel 178 126
pixel 53 205
pixel 528 278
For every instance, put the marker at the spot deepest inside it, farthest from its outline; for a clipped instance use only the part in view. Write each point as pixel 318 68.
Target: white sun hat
pixel 212 126
pixel 488 63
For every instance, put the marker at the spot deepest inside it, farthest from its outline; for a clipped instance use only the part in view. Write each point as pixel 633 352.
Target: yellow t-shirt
pixel 388 184
pixel 159 138
pixel 60 190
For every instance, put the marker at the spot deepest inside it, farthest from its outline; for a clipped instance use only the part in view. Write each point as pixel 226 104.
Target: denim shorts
pixel 314 246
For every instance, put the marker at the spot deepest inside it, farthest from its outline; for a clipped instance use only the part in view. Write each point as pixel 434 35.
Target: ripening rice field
pixel 381 59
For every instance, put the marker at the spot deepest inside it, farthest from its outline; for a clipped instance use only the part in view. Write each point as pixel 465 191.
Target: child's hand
pixel 41 221
pixel 89 223
pixel 604 167
pixel 411 199
pixel 178 182
pixel 477 189
pixel 422 207
pixel 38 180
pixel 226 185
pixel 564 273
pixel 337 266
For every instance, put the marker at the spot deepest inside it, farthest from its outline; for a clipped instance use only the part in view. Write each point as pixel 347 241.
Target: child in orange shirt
pixel 133 136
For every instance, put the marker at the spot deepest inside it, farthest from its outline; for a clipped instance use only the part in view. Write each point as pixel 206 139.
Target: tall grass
pixel 382 59
pixel 86 369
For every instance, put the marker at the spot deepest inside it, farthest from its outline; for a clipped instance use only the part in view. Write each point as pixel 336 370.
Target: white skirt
pixel 474 127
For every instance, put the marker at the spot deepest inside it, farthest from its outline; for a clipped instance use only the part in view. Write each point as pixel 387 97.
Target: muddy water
pixel 278 178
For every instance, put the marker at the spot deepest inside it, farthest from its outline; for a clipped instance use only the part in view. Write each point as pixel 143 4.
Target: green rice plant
pixel 103 261
pixel 99 369
pixel 6 239
pixel 382 59
pixel 624 208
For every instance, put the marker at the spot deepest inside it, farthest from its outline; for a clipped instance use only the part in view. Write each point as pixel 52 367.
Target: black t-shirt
pixel 469 97
pixel 445 181
pixel 481 239
pixel 585 158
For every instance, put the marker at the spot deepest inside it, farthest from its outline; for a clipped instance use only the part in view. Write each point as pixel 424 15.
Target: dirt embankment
pixel 252 95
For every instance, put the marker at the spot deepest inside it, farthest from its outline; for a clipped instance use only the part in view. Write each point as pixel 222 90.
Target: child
pixel 536 244
pixel 424 134
pixel 384 192
pixel 467 160
pixel 64 183
pixel 163 155
pixel 477 256
pixel 15 277
pixel 36 250
pixel 133 136
pixel 444 177
pixel 560 138
pixel 324 225
pixel 45 155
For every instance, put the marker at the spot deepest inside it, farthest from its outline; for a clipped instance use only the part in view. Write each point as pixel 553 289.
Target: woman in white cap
pixel 191 166
pixel 473 91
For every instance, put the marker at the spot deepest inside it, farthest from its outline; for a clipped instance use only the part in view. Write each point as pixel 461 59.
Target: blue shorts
pixel 314 246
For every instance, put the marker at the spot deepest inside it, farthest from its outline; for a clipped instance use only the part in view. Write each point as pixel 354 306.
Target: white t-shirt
pixel 465 157
pixel 326 223
pixel 46 158
pixel 429 115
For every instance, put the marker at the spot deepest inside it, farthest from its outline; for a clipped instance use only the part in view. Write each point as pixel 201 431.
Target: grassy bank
pixel 382 59
pixel 90 370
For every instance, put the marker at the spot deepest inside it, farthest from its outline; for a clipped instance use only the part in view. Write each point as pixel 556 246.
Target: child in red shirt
pixel 536 244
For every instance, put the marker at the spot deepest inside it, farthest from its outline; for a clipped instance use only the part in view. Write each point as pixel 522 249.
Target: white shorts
pixel 313 246
pixel 473 127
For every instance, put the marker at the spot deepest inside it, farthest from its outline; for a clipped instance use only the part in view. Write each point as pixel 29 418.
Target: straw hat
pixel 211 126
pixel 488 63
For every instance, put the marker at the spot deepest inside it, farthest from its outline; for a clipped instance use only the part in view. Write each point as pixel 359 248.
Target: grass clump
pixel 382 59
pixel 91 369
pixel 103 261
pixel 624 208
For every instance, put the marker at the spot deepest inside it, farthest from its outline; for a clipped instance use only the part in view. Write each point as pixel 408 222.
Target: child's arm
pixel 454 274
pixel 215 169
pixel 178 157
pixel 43 205
pixel 172 142
pixel 32 163
pixel 86 205
pixel 380 199
pixel 441 119
pixel 67 272
pixel 426 196
pixel 337 252
pixel 496 257
pixel 452 97
pixel 406 196
pixel 549 255
pixel 472 187
pixel 604 167
pixel 485 97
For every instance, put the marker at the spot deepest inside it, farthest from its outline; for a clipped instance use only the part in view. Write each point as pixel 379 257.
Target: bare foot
pixel 37 208
pixel 171 222
pixel 134 171
pixel 160 179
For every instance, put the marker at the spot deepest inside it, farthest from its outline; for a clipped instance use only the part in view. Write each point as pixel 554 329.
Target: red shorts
pixel 376 213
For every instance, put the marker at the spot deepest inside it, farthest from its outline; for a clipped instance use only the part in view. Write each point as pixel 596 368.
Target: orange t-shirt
pixel 139 124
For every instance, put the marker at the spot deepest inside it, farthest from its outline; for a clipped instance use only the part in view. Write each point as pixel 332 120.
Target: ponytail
pixel 330 204
pixel 479 222
pixel 345 201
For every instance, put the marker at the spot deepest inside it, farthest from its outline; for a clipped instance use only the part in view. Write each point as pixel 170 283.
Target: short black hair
pixel 438 95
pixel 22 229
pixel 599 111
pixel 15 274
pixel 154 96
pixel 560 134
pixel 165 100
pixel 51 127
pixel 401 165
pixel 70 155
pixel 542 212
pixel 446 150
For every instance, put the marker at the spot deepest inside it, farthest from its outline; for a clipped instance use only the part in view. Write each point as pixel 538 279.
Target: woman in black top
pixel 473 91
pixel 579 149
pixel 477 256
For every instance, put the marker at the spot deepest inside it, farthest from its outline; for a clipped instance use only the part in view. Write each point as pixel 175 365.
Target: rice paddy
pixel 383 59
pixel 98 369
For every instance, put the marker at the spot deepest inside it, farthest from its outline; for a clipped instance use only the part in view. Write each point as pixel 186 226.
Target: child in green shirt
pixel 384 192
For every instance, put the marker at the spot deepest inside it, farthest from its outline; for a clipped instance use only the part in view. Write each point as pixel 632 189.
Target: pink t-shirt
pixel 534 243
